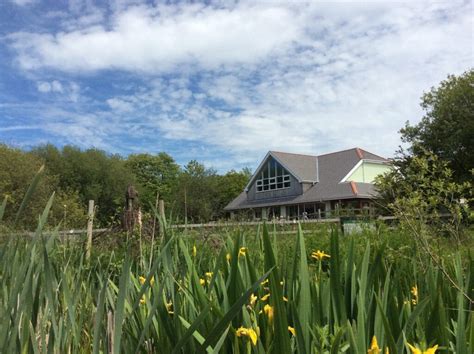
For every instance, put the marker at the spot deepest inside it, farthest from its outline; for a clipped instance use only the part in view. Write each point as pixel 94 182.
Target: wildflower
pixel 292 331
pixel 242 251
pixel 142 300
pixel 194 251
pixel 247 332
pixel 169 307
pixel 269 312
pixel 253 299
pixel 202 281
pixel 374 346
pixel 143 279
pixel 319 255
pixel 415 350
pixel 209 275
pixel 265 297
pixel 285 299
pixel 414 292
pixel 264 282
pixel 227 256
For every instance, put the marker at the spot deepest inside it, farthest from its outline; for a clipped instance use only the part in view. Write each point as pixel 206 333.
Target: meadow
pixel 238 291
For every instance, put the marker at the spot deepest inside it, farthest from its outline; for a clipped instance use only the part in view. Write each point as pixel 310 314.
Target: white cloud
pixel 70 90
pixel 241 80
pixel 158 39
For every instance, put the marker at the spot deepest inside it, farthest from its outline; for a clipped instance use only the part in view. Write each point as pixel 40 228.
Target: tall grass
pixel 53 301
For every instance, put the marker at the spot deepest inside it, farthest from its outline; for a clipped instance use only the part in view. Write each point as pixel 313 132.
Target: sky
pixel 224 82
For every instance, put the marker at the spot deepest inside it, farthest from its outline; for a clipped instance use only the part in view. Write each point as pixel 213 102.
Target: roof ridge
pixel 337 152
pixel 292 153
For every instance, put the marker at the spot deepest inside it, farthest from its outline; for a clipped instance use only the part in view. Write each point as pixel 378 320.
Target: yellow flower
pixel 142 280
pixel 414 292
pixel 242 251
pixel 265 297
pixel 264 282
pixel 227 256
pixel 415 350
pixel 319 255
pixel 194 251
pixel 253 299
pixel 142 300
pixel 202 281
pixel 209 275
pixel 269 312
pixel 169 307
pixel 247 332
pixel 374 346
pixel 285 299
pixel 292 331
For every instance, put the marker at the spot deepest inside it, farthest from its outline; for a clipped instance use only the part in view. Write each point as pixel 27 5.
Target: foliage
pixel 155 174
pixel 421 192
pixel 201 194
pixel 447 128
pixel 92 174
pixel 54 301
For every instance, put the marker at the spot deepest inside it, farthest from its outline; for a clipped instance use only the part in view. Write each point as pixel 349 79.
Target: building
pixel 292 186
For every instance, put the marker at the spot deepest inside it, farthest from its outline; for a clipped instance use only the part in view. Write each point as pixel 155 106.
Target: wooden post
pixel 185 207
pixel 90 223
pixel 162 208
pixel 162 215
pixel 154 217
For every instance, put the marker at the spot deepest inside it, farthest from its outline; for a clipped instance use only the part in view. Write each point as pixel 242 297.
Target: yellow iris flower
pixel 374 346
pixel 269 312
pixel 247 332
pixel 416 350
pixel 319 255
pixel 292 331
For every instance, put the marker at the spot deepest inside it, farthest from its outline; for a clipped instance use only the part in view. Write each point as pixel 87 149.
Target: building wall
pixel 295 189
pixel 367 172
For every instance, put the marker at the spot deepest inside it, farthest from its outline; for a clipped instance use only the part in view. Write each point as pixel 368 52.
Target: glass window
pixel 273 177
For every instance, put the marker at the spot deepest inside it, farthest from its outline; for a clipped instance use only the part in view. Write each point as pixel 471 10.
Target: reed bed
pixel 245 300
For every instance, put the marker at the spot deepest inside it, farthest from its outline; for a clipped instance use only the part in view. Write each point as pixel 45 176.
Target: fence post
pixel 90 223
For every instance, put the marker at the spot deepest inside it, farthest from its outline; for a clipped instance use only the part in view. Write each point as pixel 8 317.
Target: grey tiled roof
pixel 332 168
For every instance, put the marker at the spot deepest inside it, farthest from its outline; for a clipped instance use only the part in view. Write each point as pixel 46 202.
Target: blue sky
pixel 224 82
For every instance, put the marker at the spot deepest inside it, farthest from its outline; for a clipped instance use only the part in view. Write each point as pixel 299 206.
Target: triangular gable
pixel 263 164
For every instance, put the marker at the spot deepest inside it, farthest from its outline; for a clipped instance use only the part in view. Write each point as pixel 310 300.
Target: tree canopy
pixel 447 128
pixel 78 175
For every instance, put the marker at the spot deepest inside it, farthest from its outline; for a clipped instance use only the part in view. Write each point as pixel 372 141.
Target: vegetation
pixel 248 294
pixel 79 175
pixel 447 129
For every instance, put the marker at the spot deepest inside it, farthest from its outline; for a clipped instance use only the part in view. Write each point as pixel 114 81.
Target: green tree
pixel 229 186
pixel 155 174
pixel 92 174
pixel 17 170
pixel 447 129
pixel 421 192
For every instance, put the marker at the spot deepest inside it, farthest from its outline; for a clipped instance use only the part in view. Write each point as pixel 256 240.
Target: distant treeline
pixel 80 175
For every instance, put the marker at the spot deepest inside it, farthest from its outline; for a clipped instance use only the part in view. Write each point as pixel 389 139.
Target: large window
pixel 273 176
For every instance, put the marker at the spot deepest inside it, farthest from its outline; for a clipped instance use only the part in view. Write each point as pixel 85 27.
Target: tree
pixel 229 186
pixel 92 174
pixel 421 192
pixel 155 173
pixel 447 129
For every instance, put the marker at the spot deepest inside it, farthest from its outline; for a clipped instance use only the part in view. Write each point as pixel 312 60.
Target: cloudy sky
pixel 224 82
